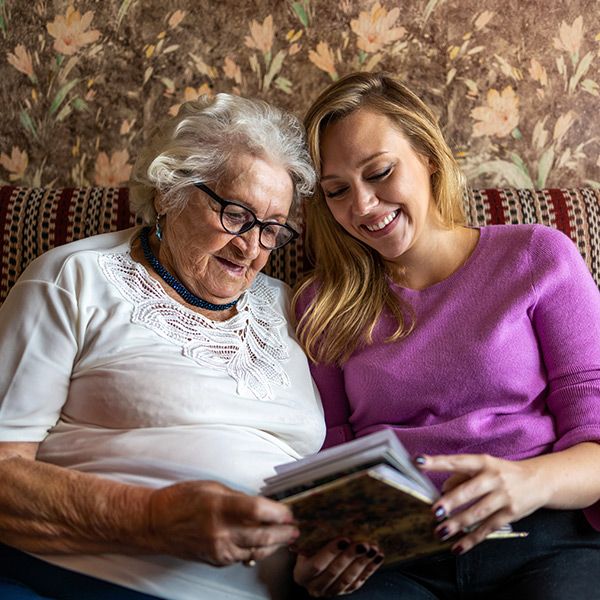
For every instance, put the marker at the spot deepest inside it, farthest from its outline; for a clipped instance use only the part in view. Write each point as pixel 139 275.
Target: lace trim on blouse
pixel 249 346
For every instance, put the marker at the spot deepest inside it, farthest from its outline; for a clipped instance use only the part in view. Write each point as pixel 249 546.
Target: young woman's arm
pixel 565 318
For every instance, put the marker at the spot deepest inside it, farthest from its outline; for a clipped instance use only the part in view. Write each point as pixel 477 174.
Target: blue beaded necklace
pixel 175 283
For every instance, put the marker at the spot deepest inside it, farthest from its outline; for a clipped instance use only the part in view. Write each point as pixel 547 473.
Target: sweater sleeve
pixel 330 382
pixel 566 317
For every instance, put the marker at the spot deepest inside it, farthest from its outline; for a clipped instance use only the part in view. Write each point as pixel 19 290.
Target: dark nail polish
pixel 360 549
pixel 419 460
pixel 443 533
pixel 440 513
pixel 343 545
pixel 458 550
pixel 371 553
pixel 378 559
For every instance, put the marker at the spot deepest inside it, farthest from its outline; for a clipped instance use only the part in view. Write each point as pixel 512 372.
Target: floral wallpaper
pixel 516 83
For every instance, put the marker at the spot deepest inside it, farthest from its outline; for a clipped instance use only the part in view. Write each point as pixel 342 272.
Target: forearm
pixel 571 477
pixel 50 509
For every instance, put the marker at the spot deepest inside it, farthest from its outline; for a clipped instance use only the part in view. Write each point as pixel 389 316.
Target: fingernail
pixel 443 533
pixel 420 460
pixel 378 559
pixel 343 544
pixel 371 553
pixel 458 550
pixel 360 549
pixel 440 513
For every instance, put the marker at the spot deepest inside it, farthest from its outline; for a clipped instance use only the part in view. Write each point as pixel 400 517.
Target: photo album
pixel 366 489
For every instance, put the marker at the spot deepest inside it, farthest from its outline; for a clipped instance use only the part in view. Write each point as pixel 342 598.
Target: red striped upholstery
pixel 575 211
pixel 35 220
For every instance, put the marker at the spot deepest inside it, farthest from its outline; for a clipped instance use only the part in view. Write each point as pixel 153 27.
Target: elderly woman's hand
pixel 340 567
pixel 209 522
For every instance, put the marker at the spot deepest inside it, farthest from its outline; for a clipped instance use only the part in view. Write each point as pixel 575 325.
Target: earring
pixel 157 228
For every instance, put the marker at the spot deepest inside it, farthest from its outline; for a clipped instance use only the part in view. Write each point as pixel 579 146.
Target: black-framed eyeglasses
pixel 237 219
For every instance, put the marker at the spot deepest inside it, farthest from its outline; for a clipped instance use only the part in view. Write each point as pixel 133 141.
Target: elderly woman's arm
pixel 48 509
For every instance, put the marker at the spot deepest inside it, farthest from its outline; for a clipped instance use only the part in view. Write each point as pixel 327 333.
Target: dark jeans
pixel 559 560
pixel 23 577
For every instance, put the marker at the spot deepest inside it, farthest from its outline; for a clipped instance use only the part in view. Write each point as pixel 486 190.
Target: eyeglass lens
pixel 236 219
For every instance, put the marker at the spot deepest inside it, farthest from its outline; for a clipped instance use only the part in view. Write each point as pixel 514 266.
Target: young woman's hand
pixel 340 567
pixel 482 494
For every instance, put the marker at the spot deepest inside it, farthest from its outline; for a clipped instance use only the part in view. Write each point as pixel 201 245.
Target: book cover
pixel 364 491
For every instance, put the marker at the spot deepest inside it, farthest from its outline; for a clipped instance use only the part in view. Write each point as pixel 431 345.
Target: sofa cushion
pixel 35 220
pixel 574 211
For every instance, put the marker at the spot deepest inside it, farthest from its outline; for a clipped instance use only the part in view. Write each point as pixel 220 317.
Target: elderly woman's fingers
pixel 257 536
pixel 254 554
pixel 256 509
pixel 207 521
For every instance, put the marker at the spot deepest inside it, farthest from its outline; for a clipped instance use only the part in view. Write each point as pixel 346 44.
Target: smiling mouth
pixel 231 266
pixel 384 222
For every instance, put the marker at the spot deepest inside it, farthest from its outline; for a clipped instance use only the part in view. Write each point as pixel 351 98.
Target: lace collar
pixel 249 346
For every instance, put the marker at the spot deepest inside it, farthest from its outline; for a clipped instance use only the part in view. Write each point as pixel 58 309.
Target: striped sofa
pixel 35 220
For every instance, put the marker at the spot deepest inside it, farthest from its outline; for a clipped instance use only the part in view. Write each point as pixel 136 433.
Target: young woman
pixel 480 347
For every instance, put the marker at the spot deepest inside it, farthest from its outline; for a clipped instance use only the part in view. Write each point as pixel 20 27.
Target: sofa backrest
pixel 35 220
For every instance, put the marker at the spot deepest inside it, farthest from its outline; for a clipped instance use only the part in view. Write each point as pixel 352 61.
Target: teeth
pixel 384 222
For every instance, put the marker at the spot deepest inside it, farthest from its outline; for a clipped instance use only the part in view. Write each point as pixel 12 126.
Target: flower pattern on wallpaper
pixel 261 35
pixel 15 164
pixel 112 171
pixel 86 81
pixel 570 37
pixel 20 59
pixel 500 115
pixel 376 29
pixel 190 94
pixel 323 58
pixel 70 32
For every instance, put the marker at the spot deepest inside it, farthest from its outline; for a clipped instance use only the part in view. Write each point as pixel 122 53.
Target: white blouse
pixel 116 378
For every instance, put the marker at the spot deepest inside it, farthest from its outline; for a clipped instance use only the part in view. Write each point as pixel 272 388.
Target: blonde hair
pixel 198 143
pixel 349 281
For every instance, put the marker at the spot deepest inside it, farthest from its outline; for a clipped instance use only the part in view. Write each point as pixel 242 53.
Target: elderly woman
pixel 150 380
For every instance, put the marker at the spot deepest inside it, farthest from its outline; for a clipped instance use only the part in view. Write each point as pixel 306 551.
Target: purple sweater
pixel 504 358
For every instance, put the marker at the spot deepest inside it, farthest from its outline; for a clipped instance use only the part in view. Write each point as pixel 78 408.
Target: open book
pixel 367 489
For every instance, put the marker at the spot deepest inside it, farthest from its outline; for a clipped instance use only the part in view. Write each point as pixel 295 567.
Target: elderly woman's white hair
pixel 198 143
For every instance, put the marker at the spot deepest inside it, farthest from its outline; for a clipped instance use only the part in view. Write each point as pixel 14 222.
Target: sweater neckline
pixel 453 277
